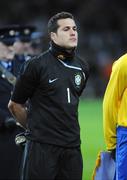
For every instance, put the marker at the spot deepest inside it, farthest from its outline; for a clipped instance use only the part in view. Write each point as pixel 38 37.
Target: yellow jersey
pixel 115 102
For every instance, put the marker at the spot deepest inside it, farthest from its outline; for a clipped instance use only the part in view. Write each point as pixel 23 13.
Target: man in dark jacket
pixel 14 41
pixel 10 154
pixel 53 82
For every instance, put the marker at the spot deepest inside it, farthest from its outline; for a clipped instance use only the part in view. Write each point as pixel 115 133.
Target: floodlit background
pixel 102 26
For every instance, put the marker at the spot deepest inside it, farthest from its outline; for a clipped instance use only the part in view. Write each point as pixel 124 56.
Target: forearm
pixel 19 112
pixel 21 116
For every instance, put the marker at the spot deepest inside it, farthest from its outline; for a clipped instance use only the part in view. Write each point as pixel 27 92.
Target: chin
pixel 72 46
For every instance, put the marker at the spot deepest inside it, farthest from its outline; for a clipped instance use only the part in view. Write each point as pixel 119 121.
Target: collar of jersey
pixel 60 52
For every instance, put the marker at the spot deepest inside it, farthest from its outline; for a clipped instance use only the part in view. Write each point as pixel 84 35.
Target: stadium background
pixel 102 28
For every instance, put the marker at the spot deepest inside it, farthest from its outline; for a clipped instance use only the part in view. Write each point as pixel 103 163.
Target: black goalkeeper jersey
pixel 53 87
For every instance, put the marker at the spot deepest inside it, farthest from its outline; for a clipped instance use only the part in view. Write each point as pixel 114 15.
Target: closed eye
pixel 67 28
pixel 75 28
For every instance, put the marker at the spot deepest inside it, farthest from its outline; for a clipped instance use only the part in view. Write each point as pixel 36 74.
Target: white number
pixel 68 95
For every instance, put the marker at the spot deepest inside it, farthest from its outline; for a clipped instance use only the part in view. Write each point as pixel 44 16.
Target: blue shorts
pixel 121 153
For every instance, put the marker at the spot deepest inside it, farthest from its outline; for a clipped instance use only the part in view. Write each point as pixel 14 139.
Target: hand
pixel 10 123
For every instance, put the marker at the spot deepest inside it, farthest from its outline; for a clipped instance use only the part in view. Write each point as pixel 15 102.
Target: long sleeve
pixel 115 102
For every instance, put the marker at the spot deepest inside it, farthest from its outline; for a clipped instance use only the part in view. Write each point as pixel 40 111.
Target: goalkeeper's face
pixel 66 35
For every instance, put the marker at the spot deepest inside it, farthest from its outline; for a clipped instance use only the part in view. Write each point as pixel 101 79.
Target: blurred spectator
pixel 10 154
pixel 15 42
pixel 100 29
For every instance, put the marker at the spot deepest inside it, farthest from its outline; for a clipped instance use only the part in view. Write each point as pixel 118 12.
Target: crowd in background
pixel 102 40
pixel 102 27
pixel 17 45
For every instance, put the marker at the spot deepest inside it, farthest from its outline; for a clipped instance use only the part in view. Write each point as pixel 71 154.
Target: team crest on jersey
pixel 78 79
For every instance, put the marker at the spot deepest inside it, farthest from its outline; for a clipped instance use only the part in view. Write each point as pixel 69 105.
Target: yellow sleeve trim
pixel 97 164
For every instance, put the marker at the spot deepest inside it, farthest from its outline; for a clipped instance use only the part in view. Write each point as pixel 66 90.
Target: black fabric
pixel 6 90
pixel 10 154
pixel 62 53
pixel 49 162
pixel 53 87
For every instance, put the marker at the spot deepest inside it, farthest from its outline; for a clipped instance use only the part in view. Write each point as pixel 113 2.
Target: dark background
pixel 102 28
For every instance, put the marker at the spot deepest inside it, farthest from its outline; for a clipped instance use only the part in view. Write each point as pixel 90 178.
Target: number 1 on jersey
pixel 68 95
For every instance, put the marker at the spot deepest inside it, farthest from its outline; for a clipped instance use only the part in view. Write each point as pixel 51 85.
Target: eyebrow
pixel 70 27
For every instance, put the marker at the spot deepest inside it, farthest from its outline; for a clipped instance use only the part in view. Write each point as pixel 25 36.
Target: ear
pixel 53 36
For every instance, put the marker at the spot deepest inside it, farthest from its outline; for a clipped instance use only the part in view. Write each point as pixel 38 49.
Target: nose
pixel 72 32
pixel 11 48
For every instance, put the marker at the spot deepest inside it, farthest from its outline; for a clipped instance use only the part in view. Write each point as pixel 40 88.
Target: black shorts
pixel 50 162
